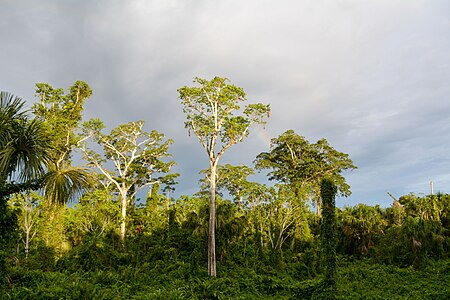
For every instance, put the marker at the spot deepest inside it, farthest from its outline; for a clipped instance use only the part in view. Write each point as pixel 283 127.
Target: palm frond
pixel 10 111
pixel 65 185
pixel 26 152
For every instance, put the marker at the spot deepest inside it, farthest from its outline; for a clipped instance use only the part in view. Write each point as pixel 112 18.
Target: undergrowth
pixel 358 279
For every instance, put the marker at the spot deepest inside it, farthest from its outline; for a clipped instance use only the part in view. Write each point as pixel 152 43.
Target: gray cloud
pixel 373 78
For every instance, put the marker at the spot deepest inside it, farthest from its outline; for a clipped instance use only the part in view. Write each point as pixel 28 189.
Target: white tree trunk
pixel 212 223
pixel 123 203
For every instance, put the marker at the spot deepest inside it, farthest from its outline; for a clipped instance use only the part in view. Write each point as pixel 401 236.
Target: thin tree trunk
pixel 27 241
pixel 318 199
pixel 27 224
pixel 212 223
pixel 318 206
pixel 123 202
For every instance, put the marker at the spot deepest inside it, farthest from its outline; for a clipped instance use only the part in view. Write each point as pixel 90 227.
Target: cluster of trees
pixel 109 227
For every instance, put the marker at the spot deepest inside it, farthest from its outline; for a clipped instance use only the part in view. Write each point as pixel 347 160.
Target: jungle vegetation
pixel 82 232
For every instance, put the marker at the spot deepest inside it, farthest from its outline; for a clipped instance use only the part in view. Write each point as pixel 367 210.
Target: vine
pixel 328 235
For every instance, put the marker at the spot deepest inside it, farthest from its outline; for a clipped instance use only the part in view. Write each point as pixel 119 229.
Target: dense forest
pixel 110 229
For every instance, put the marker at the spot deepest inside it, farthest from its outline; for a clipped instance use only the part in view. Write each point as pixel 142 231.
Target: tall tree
pixel 214 115
pixel 302 165
pixel 137 156
pixel 61 115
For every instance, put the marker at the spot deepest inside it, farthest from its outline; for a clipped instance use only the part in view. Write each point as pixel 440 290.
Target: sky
pixel 372 77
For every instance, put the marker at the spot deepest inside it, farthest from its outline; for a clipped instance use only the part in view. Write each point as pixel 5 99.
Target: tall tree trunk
pixel 123 202
pixel 212 223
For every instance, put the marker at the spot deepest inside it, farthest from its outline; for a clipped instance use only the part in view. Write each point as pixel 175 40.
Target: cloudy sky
pixel 372 77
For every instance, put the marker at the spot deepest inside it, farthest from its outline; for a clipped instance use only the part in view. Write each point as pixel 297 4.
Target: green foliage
pixel 51 230
pixel 280 220
pixel 179 280
pixel 61 114
pixel 8 233
pixel 368 280
pixel 232 179
pixel 139 159
pixel 166 261
pixel 302 165
pixel 414 243
pixel 96 215
pixel 432 207
pixel 360 228
pixel 210 111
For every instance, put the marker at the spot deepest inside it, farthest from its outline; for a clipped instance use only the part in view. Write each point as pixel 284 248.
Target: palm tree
pixel 25 157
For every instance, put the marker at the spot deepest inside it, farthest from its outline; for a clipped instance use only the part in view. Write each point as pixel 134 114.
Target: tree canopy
pixel 295 161
pixel 138 158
